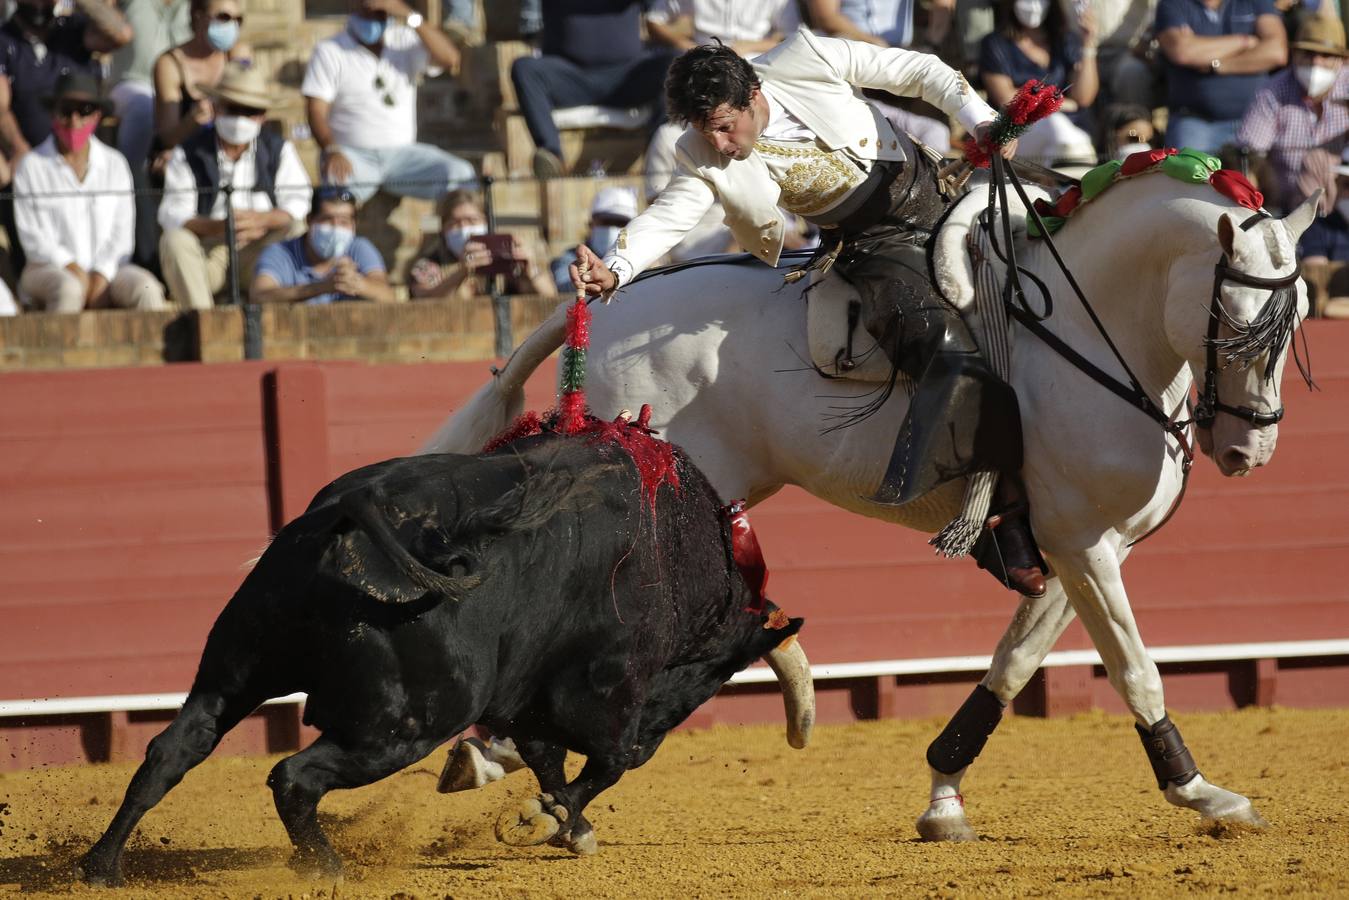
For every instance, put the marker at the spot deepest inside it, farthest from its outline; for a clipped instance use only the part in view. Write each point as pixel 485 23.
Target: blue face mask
pixel 367 31
pixel 330 241
pixel 223 35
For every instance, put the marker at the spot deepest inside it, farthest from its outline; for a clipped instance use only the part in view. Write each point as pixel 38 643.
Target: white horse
pixel 715 350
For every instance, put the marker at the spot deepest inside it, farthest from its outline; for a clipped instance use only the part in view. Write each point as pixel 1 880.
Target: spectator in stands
pixel 1032 40
pixel 36 47
pixel 890 23
pixel 749 26
pixel 1298 123
pixel 361 98
pixel 1217 55
pixel 1123 30
pixel 269 184
pixel 461 20
pixel 184 74
pixel 75 214
pixel 1327 238
pixel 452 267
pixel 592 53
pixel 325 264
pixel 1129 130
pixel 611 210
pixel 156 26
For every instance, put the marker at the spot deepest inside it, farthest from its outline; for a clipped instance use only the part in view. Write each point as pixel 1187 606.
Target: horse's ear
pixel 1230 238
pixel 1298 220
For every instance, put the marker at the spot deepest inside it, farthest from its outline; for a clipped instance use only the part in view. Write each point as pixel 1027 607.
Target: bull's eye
pixel 457 565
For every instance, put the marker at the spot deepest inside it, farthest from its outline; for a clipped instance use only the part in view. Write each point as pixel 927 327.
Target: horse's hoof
pixel 467 768
pixel 97 873
pixel 318 863
pixel 945 828
pixel 1241 818
pixel 527 826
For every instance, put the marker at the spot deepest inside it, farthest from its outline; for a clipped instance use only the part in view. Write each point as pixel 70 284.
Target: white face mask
pixel 237 129
pixel 1316 80
pixel 603 238
pixel 1342 207
pixel 457 237
pixel 1031 13
pixel 1125 151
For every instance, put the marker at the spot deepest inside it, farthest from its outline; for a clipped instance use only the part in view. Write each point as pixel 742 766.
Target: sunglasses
pixel 85 109
pixel 224 18
pixel 234 109
pixel 385 90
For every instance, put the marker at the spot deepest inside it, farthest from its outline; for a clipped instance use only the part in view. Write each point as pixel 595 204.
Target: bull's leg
pixel 299 782
pixel 1034 629
pixel 189 738
pixel 557 816
pixel 1097 593
pixel 547 761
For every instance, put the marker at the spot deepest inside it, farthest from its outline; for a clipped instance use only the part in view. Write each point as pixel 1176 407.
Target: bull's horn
pixel 790 665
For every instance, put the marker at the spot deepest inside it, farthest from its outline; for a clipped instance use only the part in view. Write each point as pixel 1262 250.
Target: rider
pixel 791 129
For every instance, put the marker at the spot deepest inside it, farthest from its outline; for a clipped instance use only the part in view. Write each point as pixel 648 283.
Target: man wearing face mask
pixel 612 209
pixel 326 264
pixel 454 266
pixel 361 99
pixel 75 215
pixel 1299 123
pixel 270 192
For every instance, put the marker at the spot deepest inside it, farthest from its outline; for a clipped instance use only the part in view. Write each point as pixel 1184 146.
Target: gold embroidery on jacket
pixel 815 181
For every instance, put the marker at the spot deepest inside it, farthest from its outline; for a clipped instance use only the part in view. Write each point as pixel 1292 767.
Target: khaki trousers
pixel 54 289
pixel 197 271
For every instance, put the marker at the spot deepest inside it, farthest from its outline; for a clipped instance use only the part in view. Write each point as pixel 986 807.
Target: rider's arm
pixel 907 73
pixel 664 223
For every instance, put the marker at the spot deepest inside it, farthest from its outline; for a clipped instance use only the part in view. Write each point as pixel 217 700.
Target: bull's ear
pixel 536 499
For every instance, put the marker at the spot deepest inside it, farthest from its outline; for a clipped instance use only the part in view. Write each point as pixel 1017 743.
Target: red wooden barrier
pixel 130 499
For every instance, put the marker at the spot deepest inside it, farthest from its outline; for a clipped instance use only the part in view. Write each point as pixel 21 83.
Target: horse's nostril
pixel 1234 459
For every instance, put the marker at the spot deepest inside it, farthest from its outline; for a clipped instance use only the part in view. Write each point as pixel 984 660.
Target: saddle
pixel 841 348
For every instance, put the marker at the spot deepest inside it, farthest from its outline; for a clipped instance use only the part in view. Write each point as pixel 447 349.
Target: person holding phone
pixel 465 256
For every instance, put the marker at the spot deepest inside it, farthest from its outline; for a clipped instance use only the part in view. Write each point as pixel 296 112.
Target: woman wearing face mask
pixel 612 208
pixel 325 264
pixel 452 267
pixel 1032 40
pixel 183 73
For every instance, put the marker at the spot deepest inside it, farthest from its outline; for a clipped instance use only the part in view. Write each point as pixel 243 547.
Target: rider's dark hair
pixel 703 79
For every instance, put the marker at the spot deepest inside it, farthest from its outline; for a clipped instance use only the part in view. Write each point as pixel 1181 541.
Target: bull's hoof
pixel 944 820
pixel 98 872
pixel 467 768
pixel 529 825
pixel 319 862
pixel 580 840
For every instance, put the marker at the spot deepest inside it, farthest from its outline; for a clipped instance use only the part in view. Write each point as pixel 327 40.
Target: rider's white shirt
pixel 817 81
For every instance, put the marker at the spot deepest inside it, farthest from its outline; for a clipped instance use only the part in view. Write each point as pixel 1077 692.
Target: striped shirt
pixel 1283 124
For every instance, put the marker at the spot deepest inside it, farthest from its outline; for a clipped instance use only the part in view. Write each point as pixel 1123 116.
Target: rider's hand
pixel 981 135
pixel 597 278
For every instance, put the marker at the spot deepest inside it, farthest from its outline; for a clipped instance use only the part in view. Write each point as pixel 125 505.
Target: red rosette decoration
pixel 1144 160
pixel 1234 186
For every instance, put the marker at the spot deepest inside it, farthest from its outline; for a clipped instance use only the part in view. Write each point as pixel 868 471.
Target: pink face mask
pixel 74 139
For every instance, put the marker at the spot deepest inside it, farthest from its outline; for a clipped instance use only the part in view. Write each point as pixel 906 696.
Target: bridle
pixel 1209 405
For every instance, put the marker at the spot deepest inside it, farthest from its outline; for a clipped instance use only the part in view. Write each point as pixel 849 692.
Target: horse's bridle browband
pixel 1209 405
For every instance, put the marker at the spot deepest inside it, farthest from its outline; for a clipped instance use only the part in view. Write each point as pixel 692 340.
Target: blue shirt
pixel 1205 95
pixel 593 33
pixel 32 74
pixel 999 55
pixel 1328 237
pixel 285 262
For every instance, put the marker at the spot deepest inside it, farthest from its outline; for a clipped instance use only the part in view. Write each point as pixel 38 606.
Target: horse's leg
pixel 1030 635
pixel 1092 578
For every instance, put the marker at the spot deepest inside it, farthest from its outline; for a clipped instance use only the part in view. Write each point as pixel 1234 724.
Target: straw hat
pixel 1321 34
pixel 243 86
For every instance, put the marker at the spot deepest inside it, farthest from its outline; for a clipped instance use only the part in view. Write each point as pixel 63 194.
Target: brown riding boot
pixel 1007 549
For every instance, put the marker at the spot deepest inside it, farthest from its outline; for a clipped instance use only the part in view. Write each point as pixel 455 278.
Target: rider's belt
pixel 868 203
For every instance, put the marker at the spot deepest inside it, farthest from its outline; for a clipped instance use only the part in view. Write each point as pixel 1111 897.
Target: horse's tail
pixel 498 403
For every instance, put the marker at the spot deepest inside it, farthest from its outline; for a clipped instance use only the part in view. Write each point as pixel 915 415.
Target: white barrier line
pixel 58 706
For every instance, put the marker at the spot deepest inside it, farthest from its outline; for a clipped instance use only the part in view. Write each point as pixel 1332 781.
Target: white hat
pixel 615 201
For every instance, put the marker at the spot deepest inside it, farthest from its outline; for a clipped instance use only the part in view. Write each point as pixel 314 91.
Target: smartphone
pixel 503 258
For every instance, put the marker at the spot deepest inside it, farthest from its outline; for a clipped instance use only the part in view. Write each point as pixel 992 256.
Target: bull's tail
pixel 404 578
pixel 501 400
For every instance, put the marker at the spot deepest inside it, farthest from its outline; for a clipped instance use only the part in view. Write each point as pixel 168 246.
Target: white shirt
pixel 731 20
pixel 374 98
pixel 782 125
pixel 180 187
pixel 96 229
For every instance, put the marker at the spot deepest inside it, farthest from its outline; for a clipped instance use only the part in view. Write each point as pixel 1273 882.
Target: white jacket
pixel 818 80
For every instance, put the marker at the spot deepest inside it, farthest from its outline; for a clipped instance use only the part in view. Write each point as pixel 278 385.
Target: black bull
pixel 531 590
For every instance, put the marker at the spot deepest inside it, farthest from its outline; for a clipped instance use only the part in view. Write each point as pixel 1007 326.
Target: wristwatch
pixel 1214 65
pixel 415 21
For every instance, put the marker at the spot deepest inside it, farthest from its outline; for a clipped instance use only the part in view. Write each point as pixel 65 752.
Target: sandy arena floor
pixel 1063 807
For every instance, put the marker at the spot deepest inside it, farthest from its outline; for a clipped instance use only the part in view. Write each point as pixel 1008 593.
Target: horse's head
pixel 1238 353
